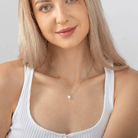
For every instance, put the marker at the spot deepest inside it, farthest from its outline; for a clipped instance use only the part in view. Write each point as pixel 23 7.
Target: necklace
pixel 69 95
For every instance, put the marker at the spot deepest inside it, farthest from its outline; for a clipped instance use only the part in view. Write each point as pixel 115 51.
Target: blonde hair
pixel 33 45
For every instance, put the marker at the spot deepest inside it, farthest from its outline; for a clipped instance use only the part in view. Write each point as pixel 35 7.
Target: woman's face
pixel 55 15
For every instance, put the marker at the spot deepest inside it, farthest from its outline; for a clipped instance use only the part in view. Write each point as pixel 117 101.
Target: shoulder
pixel 127 72
pixel 9 67
pixel 123 122
pixel 11 80
pixel 131 78
pixel 125 78
pixel 128 78
pixel 11 71
pixel 130 72
pixel 128 86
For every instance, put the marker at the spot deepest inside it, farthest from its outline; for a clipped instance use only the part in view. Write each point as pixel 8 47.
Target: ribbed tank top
pixel 23 125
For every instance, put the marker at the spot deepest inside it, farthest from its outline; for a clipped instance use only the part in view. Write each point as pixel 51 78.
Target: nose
pixel 62 16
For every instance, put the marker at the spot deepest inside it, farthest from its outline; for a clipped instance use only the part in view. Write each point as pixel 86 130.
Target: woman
pixel 75 84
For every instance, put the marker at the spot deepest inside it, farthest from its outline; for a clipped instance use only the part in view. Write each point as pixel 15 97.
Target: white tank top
pixel 23 125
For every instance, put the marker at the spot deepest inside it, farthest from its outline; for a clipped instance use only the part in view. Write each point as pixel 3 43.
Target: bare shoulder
pixel 129 83
pixel 130 78
pixel 125 78
pixel 123 122
pixel 129 72
pixel 11 81
pixel 8 67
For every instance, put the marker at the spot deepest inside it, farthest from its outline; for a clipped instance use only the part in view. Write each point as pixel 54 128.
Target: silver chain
pixel 62 84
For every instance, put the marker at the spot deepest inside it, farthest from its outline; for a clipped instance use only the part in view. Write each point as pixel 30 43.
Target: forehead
pixel 39 1
pixel 35 2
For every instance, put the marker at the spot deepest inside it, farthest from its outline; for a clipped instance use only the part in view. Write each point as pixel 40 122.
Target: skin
pixel 69 56
pixel 70 52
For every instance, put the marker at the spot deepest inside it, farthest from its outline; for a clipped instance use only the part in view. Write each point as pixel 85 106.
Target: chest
pixel 51 109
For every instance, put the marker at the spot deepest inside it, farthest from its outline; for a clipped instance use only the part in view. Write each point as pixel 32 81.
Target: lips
pixel 66 30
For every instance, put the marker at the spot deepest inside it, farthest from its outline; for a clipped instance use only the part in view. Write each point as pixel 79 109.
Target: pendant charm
pixel 69 97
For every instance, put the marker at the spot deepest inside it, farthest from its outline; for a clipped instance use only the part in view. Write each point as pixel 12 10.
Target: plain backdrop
pixel 121 15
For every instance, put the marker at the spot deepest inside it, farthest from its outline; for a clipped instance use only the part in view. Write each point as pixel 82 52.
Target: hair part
pixel 33 45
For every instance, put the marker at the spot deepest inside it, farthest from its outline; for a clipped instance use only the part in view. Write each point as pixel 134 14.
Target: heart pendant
pixel 69 97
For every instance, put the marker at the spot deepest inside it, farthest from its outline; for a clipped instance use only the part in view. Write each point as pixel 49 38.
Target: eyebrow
pixel 40 1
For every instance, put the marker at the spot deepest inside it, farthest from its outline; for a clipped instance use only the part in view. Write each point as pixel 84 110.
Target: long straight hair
pixel 33 45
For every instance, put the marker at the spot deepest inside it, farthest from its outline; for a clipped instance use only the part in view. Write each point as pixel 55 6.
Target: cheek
pixel 81 13
pixel 84 23
pixel 46 28
pixel 44 25
pixel 83 18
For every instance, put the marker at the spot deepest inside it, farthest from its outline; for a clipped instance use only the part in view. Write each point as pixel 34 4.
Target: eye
pixel 44 8
pixel 49 6
pixel 72 0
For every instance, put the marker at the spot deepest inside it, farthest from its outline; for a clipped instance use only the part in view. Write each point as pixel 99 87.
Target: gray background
pixel 121 15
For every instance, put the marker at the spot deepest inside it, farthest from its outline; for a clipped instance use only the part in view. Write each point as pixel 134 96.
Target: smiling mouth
pixel 68 33
pixel 66 30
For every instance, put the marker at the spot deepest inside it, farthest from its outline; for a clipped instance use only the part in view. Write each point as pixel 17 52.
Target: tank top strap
pixel 25 93
pixel 110 86
pixel 29 82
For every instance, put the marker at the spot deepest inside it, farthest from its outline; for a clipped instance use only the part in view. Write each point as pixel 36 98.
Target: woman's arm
pixel 123 122
pixel 5 100
pixel 11 81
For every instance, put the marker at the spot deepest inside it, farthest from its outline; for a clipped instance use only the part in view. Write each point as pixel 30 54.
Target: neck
pixel 70 64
